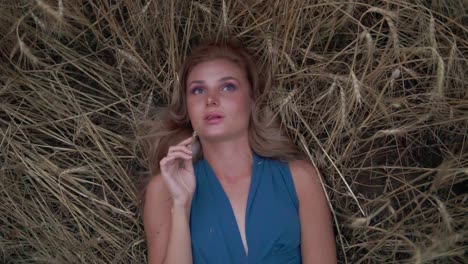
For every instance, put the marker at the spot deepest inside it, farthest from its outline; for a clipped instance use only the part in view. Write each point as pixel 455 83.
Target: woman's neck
pixel 229 159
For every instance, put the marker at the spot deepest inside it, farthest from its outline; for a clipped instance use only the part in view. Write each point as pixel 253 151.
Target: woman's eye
pixel 197 90
pixel 229 87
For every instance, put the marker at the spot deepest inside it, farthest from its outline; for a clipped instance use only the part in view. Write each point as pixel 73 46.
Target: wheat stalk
pixel 376 98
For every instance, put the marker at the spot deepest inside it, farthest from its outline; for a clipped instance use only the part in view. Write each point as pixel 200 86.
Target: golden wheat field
pixel 375 92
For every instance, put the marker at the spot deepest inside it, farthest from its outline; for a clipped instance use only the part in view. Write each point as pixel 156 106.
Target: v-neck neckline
pixel 226 206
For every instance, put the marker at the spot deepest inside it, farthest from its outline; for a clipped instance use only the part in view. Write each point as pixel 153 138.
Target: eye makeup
pixel 231 86
pixel 196 90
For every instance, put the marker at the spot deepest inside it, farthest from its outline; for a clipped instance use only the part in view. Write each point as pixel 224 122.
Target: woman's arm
pixel 317 238
pixel 166 226
pixel 168 201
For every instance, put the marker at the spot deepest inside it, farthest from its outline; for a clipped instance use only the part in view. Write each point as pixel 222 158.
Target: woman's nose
pixel 212 99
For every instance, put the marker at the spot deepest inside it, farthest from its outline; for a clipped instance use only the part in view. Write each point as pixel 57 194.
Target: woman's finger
pixel 170 181
pixel 188 165
pixel 176 155
pixel 170 165
pixel 180 152
pixel 185 142
pixel 179 148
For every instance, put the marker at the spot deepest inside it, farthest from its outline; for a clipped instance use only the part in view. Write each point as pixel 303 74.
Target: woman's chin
pixel 216 135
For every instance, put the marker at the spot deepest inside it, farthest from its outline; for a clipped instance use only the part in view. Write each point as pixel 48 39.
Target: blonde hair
pixel 266 137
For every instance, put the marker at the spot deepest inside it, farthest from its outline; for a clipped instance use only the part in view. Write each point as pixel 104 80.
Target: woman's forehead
pixel 216 68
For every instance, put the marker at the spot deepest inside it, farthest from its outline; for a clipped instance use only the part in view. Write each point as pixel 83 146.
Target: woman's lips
pixel 214 119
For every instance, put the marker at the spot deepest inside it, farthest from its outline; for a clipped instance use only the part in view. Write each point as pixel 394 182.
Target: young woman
pixel 239 191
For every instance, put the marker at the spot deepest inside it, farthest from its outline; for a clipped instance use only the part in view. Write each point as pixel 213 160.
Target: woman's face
pixel 218 100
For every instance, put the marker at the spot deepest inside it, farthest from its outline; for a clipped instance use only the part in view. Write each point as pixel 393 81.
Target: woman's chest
pixel 265 224
pixel 237 195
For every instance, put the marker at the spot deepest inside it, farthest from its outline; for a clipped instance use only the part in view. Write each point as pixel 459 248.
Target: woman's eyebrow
pixel 220 80
pixel 197 82
pixel 228 78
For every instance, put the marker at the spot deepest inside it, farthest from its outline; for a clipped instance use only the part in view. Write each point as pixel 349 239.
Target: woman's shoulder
pixel 301 167
pixel 305 176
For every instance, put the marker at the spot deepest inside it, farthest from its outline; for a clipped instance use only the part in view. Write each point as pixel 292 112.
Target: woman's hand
pixel 178 174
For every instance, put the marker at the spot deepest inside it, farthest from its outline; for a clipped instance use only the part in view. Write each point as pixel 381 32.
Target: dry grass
pixel 375 91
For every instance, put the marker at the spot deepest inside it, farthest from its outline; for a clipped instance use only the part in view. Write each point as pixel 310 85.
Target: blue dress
pixel 272 222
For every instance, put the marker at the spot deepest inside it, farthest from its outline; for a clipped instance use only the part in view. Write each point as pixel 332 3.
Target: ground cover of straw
pixel 374 91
